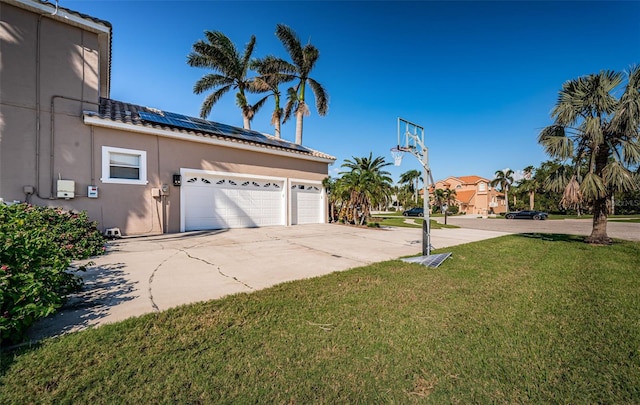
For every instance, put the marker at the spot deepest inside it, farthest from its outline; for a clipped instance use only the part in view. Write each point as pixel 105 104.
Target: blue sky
pixel 480 77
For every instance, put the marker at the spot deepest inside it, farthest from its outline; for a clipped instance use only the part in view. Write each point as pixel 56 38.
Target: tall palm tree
pixel 592 125
pixel 273 72
pixel 503 179
pixel 368 184
pixel 304 60
pixel 219 54
pixel 410 177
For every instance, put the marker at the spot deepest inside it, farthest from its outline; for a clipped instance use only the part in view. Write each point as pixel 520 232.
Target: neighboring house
pixel 64 142
pixel 474 195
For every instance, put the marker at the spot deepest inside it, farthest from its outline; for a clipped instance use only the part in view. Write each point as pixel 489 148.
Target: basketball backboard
pixel 410 136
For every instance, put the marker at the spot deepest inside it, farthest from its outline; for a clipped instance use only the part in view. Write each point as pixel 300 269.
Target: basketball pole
pixel 426 223
pixel 422 154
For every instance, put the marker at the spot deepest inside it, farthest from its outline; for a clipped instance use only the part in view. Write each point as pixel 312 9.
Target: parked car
pixel 527 214
pixel 414 212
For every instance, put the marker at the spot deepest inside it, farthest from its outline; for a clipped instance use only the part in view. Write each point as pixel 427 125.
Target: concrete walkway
pixel 146 274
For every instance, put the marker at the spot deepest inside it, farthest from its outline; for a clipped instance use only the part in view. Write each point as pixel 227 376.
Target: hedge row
pixel 37 245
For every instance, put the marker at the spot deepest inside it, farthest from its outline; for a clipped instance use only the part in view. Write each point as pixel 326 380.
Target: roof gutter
pixel 89 118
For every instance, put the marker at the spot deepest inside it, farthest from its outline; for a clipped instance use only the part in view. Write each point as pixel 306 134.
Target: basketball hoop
pixel 397 155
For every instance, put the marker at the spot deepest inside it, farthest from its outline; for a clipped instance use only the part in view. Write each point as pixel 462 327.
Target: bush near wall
pixel 37 245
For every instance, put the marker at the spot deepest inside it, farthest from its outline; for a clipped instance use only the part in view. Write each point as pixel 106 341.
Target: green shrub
pixel 37 245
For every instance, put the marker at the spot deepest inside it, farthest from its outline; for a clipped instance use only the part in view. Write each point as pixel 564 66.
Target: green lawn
pixel 518 319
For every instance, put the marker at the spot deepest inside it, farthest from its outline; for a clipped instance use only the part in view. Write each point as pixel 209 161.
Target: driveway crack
pixel 151 277
pixel 218 268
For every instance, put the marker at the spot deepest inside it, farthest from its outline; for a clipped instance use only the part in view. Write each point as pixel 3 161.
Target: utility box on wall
pixel 92 191
pixel 66 189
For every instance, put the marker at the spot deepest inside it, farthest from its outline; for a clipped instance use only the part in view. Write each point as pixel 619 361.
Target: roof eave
pixel 90 118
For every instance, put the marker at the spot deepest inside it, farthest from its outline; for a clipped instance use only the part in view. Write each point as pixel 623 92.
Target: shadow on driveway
pixel 104 287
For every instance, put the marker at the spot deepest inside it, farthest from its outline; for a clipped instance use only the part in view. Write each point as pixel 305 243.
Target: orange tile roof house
pixel 474 195
pixel 65 143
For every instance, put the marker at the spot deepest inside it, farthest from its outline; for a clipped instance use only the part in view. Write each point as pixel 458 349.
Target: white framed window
pixel 482 186
pixel 124 166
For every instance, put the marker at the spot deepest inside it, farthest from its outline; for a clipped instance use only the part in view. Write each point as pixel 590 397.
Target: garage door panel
pixel 213 202
pixel 306 204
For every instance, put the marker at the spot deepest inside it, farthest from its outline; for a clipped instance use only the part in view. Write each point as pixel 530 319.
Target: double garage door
pixel 231 201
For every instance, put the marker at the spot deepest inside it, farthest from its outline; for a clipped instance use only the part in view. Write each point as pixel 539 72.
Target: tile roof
pixel 471 179
pixel 465 196
pixel 127 113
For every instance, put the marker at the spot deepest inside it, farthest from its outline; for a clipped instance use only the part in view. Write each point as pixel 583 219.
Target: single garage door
pixel 220 202
pixel 306 204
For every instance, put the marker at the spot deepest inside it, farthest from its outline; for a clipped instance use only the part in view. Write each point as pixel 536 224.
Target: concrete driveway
pixel 154 273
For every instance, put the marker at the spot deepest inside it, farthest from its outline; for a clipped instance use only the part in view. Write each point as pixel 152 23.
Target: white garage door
pixel 306 204
pixel 219 202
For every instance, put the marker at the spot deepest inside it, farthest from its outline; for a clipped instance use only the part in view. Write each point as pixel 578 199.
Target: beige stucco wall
pixel 165 157
pixel 41 58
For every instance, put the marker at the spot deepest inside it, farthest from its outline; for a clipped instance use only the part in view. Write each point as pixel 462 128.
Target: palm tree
pixel 304 59
pixel 529 184
pixel 329 185
pixel 273 72
pixel 593 126
pixel 409 178
pixel 368 184
pixel 450 196
pixel 219 54
pixel 503 179
pixel 439 198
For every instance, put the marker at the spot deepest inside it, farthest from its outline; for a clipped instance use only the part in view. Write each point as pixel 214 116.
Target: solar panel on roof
pixel 216 128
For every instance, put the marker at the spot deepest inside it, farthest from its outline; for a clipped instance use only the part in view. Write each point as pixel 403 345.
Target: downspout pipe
pixel 52 137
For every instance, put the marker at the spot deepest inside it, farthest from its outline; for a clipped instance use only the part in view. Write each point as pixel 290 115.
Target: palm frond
pixel 592 128
pixel 321 96
pixel 210 81
pixel 248 51
pixel 626 120
pixel 291 44
pixel 210 100
pixel 557 180
pixel 291 104
pixel 572 195
pixel 617 177
pixel 630 151
pixel 311 56
pixel 259 104
pixel 592 187
pixel 555 142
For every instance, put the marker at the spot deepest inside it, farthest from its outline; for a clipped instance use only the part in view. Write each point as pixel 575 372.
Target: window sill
pixel 125 181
